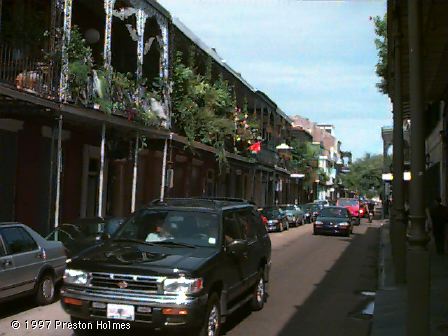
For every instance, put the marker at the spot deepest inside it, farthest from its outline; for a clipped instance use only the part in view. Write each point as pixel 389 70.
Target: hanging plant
pixel 80 66
pixel 203 110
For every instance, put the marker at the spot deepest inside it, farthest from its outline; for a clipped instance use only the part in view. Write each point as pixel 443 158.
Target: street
pixel 315 289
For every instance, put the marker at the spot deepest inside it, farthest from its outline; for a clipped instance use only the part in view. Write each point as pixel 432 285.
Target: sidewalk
pixel 390 303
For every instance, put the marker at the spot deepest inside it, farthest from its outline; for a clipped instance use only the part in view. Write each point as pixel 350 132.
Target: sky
pixel 313 58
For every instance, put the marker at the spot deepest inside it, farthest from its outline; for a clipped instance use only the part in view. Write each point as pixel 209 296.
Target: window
pixel 247 224
pixel 17 240
pixel 232 228
pixel 258 224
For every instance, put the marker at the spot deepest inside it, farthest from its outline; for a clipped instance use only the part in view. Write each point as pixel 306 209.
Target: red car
pixel 353 206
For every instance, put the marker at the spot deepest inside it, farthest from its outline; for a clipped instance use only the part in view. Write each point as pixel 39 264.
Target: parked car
pixel 84 233
pixel 293 213
pixel 310 211
pixel 333 220
pixel 277 218
pixel 29 264
pixel 353 206
pixel 181 263
pixel 323 203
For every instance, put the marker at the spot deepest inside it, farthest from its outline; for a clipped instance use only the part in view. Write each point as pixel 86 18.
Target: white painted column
pixel 58 174
pixel 162 185
pixel 135 172
pixel 101 177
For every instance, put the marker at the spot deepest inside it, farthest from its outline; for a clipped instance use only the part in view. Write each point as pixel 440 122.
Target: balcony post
pixel 108 8
pixel 162 184
pixel 101 176
pixel 165 65
pixel 418 255
pixel 398 224
pixel 135 172
pixel 63 82
pixel 141 21
pixel 58 174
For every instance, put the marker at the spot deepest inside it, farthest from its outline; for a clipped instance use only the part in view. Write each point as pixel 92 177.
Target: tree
pixel 381 46
pixel 305 158
pixel 365 176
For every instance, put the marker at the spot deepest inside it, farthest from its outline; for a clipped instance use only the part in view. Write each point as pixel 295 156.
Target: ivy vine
pixel 206 111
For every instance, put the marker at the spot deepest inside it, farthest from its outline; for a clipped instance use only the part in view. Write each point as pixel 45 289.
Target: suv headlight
pixel 319 223
pixel 76 277
pixel 182 285
pixel 344 224
pixel 273 221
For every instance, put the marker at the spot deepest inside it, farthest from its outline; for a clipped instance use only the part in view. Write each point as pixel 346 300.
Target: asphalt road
pixel 315 289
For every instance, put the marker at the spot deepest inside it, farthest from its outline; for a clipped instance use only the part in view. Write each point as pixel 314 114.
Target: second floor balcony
pixel 108 55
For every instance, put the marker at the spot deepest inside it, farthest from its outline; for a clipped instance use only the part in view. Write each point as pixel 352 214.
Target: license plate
pixel 120 312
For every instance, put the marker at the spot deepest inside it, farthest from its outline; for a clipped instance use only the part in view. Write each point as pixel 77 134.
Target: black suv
pixel 181 263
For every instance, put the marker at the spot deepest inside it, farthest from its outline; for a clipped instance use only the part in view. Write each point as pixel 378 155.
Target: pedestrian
pixel 439 218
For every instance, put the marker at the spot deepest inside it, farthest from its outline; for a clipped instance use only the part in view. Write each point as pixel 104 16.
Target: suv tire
pixel 212 320
pixel 259 293
pixel 45 290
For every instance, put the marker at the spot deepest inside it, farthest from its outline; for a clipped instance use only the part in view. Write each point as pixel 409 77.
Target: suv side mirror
pixel 237 248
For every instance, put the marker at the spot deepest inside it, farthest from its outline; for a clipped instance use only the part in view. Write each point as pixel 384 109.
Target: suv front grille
pixel 125 282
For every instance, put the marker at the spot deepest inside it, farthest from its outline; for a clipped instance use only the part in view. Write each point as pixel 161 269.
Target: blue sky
pixel 313 58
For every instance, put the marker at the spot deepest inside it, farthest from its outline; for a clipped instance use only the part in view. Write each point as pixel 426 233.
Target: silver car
pixel 294 213
pixel 29 264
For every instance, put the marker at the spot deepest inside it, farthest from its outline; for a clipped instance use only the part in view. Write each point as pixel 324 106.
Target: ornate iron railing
pixel 28 71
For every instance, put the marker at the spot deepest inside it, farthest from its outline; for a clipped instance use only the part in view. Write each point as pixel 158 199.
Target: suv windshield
pixel 177 227
pixel 347 202
pixel 288 207
pixel 334 212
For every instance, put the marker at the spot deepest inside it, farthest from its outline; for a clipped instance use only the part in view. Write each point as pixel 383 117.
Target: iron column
pixel 418 256
pixel 398 224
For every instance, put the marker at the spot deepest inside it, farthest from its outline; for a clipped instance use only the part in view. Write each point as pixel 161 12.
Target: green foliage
pixel 304 160
pixel 115 91
pixel 205 111
pixel 381 46
pixel 365 176
pixel 80 65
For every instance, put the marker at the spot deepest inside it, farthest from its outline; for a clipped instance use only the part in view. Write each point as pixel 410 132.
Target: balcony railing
pixel 28 71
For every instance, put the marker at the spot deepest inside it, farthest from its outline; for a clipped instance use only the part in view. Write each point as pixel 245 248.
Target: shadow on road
pixel 335 306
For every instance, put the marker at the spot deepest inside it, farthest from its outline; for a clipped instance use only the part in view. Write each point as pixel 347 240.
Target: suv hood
pixel 139 259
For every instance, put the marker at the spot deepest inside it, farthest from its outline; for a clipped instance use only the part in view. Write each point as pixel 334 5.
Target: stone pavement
pixel 390 303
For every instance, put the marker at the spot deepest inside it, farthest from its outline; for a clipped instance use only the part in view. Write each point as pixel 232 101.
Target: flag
pixel 256 147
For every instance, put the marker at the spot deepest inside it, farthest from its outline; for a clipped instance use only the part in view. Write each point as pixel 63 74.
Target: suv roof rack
pixel 200 202
pixel 226 199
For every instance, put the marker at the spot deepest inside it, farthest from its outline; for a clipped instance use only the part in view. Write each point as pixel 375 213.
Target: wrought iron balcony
pixel 29 71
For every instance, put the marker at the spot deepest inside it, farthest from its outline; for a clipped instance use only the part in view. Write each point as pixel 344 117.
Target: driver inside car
pixel 158 231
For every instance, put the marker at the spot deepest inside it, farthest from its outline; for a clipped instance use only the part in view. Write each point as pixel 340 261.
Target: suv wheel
pixel 259 294
pixel 212 322
pixel 45 290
